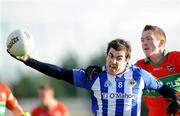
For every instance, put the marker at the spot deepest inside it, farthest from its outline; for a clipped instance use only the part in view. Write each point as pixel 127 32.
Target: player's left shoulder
pixel 173 56
pixel 173 53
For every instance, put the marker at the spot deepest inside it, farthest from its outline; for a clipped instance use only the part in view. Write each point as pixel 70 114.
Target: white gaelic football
pixel 20 42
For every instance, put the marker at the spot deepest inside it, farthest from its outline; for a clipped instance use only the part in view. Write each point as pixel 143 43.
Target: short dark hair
pixel 45 87
pixel 158 32
pixel 120 45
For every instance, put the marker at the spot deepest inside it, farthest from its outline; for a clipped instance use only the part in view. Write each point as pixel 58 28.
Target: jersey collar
pixel 148 60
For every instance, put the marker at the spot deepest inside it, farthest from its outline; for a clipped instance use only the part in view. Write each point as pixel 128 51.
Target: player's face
pixel 45 96
pixel 150 44
pixel 115 61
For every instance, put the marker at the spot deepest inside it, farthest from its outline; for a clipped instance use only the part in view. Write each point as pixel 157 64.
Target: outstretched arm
pixel 51 70
pixel 48 69
pixel 73 76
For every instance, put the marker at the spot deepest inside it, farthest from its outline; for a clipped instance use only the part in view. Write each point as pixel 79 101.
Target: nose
pixel 113 61
pixel 144 43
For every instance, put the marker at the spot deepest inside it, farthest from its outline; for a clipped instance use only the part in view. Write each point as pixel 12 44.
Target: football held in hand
pixel 19 42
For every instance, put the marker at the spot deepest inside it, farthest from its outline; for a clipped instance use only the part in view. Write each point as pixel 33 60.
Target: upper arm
pixel 11 102
pixel 149 81
pixel 80 79
pixel 10 99
pixel 13 105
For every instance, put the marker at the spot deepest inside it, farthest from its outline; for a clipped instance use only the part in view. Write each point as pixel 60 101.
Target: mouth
pixel 146 48
pixel 112 67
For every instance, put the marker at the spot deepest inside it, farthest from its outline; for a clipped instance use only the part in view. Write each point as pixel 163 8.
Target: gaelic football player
pixel 117 90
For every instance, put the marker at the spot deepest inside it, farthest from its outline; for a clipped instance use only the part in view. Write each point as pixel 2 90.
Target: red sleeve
pixel 10 99
pixel 176 56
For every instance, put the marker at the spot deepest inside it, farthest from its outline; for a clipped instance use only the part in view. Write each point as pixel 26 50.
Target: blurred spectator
pixel 7 100
pixel 49 106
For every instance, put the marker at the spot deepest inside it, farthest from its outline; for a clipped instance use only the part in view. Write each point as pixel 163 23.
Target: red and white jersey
pixel 168 71
pixel 6 99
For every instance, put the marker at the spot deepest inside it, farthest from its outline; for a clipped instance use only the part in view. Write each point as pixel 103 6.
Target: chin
pixel 147 54
pixel 113 72
pixel 110 72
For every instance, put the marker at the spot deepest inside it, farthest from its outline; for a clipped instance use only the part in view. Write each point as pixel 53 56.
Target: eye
pixel 110 55
pixel 149 38
pixel 142 39
pixel 119 58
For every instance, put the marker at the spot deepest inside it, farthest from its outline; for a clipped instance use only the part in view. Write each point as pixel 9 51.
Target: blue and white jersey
pixel 117 95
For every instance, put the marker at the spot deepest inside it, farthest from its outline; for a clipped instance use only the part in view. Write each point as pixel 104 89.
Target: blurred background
pixel 73 34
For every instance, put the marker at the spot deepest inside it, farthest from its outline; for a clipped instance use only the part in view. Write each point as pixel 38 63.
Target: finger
pixel 7 51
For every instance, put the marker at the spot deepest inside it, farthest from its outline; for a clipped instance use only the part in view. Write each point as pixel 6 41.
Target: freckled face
pixel 150 44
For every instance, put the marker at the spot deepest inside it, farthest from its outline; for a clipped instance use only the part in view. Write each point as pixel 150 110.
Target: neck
pixel 156 57
pixel 50 105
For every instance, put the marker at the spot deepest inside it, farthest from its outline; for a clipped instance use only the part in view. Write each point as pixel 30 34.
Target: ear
pixel 162 43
